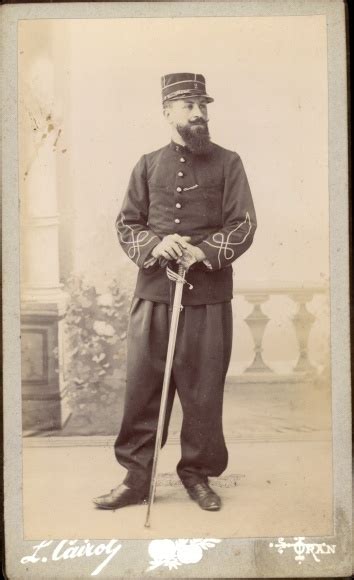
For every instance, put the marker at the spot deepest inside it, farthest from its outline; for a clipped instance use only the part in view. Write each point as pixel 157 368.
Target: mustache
pixel 199 122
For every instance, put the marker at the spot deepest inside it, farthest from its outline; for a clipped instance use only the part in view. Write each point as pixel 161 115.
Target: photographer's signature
pixel 70 549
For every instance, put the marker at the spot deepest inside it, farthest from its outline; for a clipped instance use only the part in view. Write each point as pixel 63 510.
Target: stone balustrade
pixel 300 322
pixel 277 317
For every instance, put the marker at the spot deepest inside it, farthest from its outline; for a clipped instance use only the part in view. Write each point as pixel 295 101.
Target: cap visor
pixel 184 97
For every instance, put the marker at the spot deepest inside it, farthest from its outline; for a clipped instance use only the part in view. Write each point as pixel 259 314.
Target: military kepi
pixel 182 86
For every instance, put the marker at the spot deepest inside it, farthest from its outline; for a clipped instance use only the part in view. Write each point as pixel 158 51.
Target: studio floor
pixel 278 481
pixel 282 488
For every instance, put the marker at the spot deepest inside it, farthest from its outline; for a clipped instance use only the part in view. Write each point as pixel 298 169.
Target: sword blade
pixel 176 309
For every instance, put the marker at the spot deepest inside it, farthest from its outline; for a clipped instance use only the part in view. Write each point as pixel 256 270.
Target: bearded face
pixel 189 120
pixel 196 136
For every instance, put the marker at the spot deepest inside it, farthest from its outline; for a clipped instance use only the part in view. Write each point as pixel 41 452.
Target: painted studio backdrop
pixel 89 107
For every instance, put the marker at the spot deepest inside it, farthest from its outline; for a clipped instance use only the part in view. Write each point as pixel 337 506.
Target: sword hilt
pixel 178 276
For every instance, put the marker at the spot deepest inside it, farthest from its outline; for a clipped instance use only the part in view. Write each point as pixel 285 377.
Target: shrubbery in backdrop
pixel 95 355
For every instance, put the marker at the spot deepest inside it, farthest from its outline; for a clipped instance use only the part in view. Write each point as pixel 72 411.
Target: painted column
pixel 43 301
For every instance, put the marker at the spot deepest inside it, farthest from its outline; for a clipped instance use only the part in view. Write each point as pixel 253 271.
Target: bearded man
pixel 190 203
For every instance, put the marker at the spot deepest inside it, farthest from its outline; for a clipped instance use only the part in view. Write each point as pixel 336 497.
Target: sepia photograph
pixel 176 284
pixel 138 178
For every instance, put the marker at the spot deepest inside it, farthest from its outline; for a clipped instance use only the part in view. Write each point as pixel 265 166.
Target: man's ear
pixel 167 113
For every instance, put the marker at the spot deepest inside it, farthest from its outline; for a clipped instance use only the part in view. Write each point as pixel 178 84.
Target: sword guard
pixel 176 277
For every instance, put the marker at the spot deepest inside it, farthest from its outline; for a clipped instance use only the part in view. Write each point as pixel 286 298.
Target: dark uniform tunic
pixel 206 197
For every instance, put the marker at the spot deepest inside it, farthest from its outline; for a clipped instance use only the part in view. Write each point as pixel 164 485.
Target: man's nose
pixel 197 111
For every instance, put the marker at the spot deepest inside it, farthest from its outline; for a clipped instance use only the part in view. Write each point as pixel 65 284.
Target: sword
pixel 179 278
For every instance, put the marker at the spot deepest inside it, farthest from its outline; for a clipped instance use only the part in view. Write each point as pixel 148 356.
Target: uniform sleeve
pixel 239 219
pixel 134 235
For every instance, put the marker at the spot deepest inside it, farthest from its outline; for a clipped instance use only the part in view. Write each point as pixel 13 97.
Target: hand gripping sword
pixel 179 278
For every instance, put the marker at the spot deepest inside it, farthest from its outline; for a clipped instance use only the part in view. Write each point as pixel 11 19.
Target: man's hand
pixel 171 247
pixel 191 255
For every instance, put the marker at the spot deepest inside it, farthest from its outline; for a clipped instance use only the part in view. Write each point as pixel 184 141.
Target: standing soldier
pixel 188 202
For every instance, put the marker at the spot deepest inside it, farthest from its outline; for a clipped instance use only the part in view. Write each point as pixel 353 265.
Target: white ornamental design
pixel 303 549
pixel 174 553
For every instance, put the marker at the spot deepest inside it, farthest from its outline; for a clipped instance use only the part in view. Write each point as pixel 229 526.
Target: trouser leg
pixel 202 355
pixel 147 346
pixel 201 360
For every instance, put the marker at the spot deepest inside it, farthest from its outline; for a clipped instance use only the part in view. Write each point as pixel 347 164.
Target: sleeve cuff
pixel 211 261
pixel 145 251
pixel 150 262
pixel 208 264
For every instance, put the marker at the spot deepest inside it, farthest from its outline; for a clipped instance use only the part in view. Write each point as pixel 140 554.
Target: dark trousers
pixel 202 355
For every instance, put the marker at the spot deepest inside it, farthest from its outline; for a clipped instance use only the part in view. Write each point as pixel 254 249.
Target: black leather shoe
pixel 120 497
pixel 206 498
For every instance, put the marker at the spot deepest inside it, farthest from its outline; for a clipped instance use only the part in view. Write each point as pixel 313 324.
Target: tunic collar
pixel 179 148
pixel 182 149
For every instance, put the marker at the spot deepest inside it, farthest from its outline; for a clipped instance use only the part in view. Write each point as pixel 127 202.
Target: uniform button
pixel 179 189
pixel 177 221
pixel 182 160
pixel 178 205
pixel 180 174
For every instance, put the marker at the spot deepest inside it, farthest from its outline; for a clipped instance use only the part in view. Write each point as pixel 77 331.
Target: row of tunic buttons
pixel 178 206
pixel 180 174
pixel 179 189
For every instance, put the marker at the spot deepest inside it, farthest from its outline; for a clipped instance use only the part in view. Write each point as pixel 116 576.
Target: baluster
pixel 303 321
pixel 257 322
